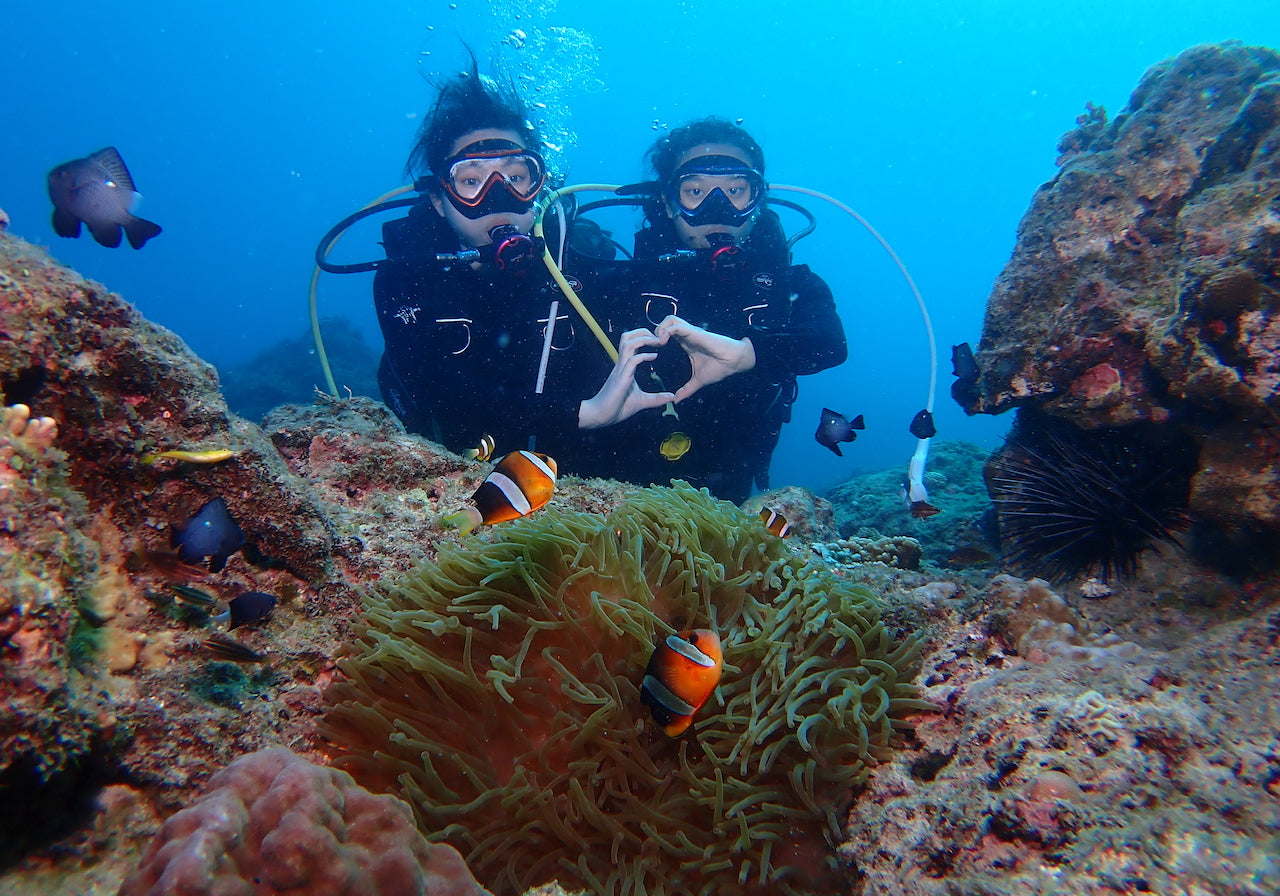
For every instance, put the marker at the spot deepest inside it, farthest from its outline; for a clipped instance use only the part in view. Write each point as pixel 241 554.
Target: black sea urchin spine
pixel 1071 501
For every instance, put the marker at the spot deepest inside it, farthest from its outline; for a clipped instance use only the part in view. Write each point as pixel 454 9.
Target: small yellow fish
pixel 212 456
pixel 675 446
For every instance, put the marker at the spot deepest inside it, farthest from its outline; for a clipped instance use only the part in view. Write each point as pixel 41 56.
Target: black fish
pixel 922 425
pixel 834 428
pixel 98 191
pixel 211 533
pixel 963 365
pixel 252 606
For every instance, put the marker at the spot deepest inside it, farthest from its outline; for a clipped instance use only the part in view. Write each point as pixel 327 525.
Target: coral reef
pixel 498 691
pixel 811 518
pixel 872 505
pixel 96 673
pixel 1055 768
pixel 120 387
pixel 1144 285
pixel 900 551
pixel 52 719
pixel 272 823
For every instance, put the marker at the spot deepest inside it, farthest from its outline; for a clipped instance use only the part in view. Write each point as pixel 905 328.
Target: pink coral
pixel 272 822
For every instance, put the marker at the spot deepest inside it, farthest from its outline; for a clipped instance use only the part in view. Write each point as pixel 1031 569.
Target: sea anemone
pixel 1070 501
pixel 498 692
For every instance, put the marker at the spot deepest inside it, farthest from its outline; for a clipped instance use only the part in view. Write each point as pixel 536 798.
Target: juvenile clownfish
pixel 683 671
pixel 483 451
pixel 519 484
pixel 775 522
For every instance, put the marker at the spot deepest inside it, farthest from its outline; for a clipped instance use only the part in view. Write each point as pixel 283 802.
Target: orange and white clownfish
pixel 683 671
pixel 519 484
pixel 775 522
pixel 483 451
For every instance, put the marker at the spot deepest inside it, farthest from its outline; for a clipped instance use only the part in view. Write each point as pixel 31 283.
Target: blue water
pixel 251 127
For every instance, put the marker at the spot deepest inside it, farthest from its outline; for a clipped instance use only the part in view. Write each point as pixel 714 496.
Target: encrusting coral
pixel 273 823
pixel 497 690
pixel 24 439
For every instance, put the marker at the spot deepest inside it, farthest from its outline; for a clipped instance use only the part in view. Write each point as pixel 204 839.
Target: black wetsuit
pixel 464 347
pixel 733 425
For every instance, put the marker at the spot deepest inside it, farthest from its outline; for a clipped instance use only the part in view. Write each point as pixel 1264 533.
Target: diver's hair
pixel 469 102
pixel 664 154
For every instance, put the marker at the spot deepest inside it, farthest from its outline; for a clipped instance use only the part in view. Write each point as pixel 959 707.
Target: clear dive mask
pixel 716 190
pixel 491 177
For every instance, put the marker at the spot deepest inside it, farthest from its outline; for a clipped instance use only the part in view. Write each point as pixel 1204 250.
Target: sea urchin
pixel 1070 501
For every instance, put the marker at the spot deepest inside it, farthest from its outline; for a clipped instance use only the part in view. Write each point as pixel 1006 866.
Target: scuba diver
pixel 735 322
pixel 479 339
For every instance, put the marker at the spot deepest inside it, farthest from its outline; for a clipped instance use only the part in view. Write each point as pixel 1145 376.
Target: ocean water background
pixel 251 128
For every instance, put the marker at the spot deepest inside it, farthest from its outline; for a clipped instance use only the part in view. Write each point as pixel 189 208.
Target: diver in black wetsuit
pixel 465 302
pixel 736 322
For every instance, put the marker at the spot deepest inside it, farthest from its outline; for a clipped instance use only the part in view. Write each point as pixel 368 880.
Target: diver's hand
pixel 620 397
pixel 712 357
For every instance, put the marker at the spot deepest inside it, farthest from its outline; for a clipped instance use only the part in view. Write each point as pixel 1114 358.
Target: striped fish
pixel 682 673
pixel 520 483
pixel 775 522
pixel 483 451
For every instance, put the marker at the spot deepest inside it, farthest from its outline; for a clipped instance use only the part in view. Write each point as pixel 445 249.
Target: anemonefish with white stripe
pixel 775 522
pixel 681 675
pixel 519 484
pixel 483 451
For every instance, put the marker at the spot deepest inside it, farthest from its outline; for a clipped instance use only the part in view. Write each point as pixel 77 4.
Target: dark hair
pixel 468 103
pixel 664 154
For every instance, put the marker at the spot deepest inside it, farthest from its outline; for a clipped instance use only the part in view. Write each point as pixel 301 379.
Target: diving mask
pixel 716 190
pixel 491 177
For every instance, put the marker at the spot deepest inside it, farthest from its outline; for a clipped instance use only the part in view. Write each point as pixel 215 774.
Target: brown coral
pixel 273 823
pixel 498 691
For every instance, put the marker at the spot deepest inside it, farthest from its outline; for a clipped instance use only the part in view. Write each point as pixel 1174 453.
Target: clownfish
pixel 681 675
pixel 483 451
pixel 520 483
pixel 775 522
